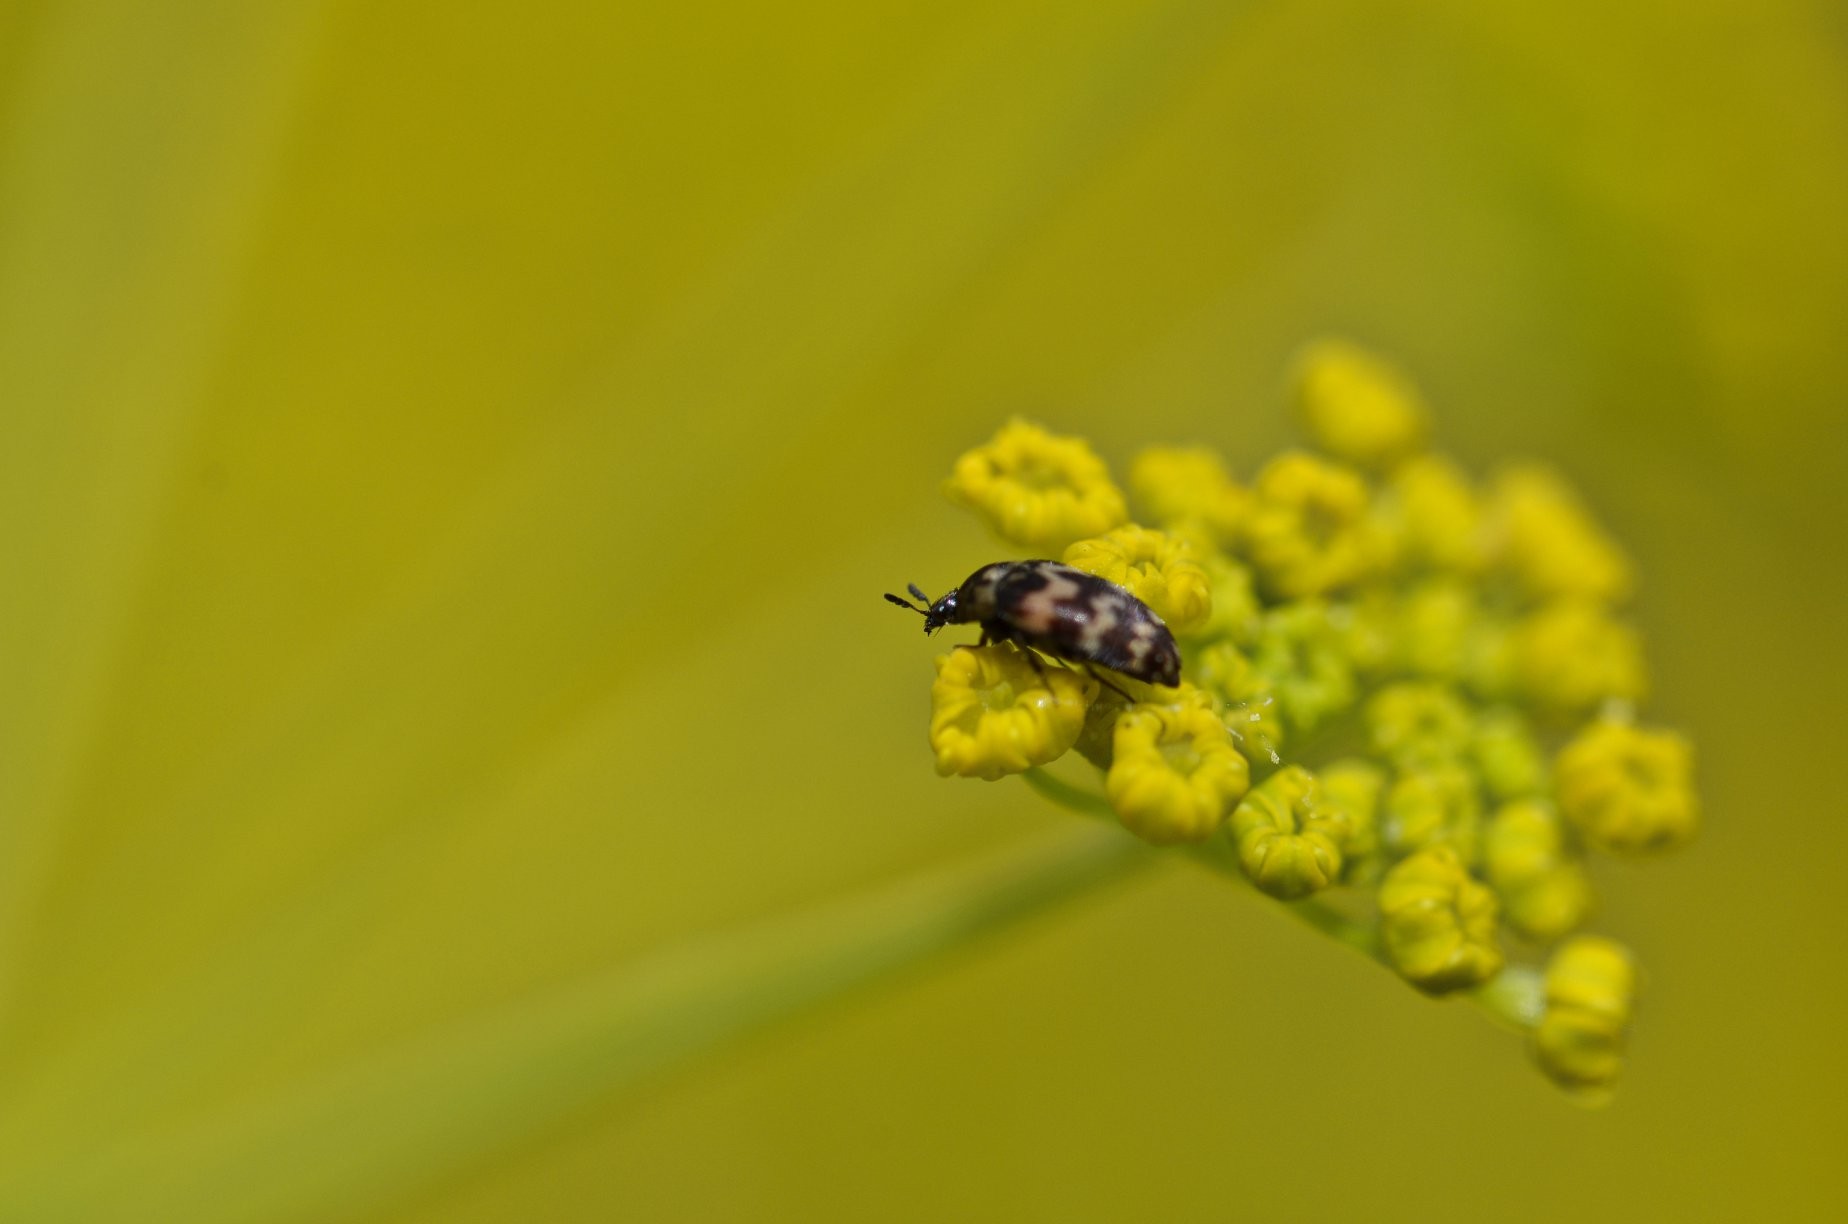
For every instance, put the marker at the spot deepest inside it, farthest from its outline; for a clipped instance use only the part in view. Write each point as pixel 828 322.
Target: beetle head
pixel 936 615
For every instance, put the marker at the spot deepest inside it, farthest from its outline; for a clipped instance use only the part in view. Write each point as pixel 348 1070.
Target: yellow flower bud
pixel 1236 610
pixel 1188 486
pixel 1353 787
pixel 1037 490
pixel 1368 626
pixel 1357 406
pixel 1174 773
pixel 1542 534
pixel 1307 533
pixel 1506 755
pixel 1434 515
pixel 1432 805
pixel 1288 843
pixel 1412 723
pixel 1545 891
pixel 993 713
pixel 1437 924
pixel 1590 995
pixel 1301 654
pixel 1155 567
pixel 1627 789
pixel 1572 656
pixel 1435 623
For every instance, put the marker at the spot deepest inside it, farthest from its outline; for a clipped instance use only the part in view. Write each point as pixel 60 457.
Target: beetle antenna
pixel 905 603
pixel 920 596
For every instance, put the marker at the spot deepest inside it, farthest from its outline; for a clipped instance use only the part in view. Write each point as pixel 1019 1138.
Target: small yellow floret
pixel 1308 533
pixel 1236 608
pixel 1357 406
pixel 1289 844
pixel 1544 890
pixel 1301 654
pixel 1250 704
pixel 1174 773
pixel 1590 994
pixel 1507 756
pixel 1434 629
pixel 1189 487
pixel 1353 787
pixel 1432 510
pixel 1036 489
pixel 1572 656
pixel 1430 805
pixel 1438 925
pixel 993 714
pixel 1412 723
pixel 1628 790
pixel 1542 534
pixel 1155 567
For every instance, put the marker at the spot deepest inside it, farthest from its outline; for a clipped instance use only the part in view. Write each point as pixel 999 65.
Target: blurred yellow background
pixel 451 459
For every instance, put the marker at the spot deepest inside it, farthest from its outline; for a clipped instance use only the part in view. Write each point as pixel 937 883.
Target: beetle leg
pixel 1092 672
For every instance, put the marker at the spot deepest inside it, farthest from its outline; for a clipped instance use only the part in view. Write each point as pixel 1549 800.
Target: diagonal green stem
pixel 383 1128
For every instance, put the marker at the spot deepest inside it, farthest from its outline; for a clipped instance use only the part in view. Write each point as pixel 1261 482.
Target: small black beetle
pixel 1062 611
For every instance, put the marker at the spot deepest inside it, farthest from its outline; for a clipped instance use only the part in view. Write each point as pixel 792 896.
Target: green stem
pixel 397 1121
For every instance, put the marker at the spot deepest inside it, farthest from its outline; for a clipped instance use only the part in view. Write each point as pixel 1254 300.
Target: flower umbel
pixel 1429 677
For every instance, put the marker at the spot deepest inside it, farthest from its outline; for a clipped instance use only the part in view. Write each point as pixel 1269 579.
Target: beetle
pixel 1057 610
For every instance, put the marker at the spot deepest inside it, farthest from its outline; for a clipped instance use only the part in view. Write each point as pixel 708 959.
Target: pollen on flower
pixel 1289 840
pixel 1437 923
pixel 1357 406
pixel 994 714
pixel 1155 567
pixel 1397 678
pixel 1590 994
pixel 1037 490
pixel 1627 789
pixel 1174 773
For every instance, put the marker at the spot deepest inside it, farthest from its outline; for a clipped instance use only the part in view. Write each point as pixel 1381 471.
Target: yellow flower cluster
pixel 1428 677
